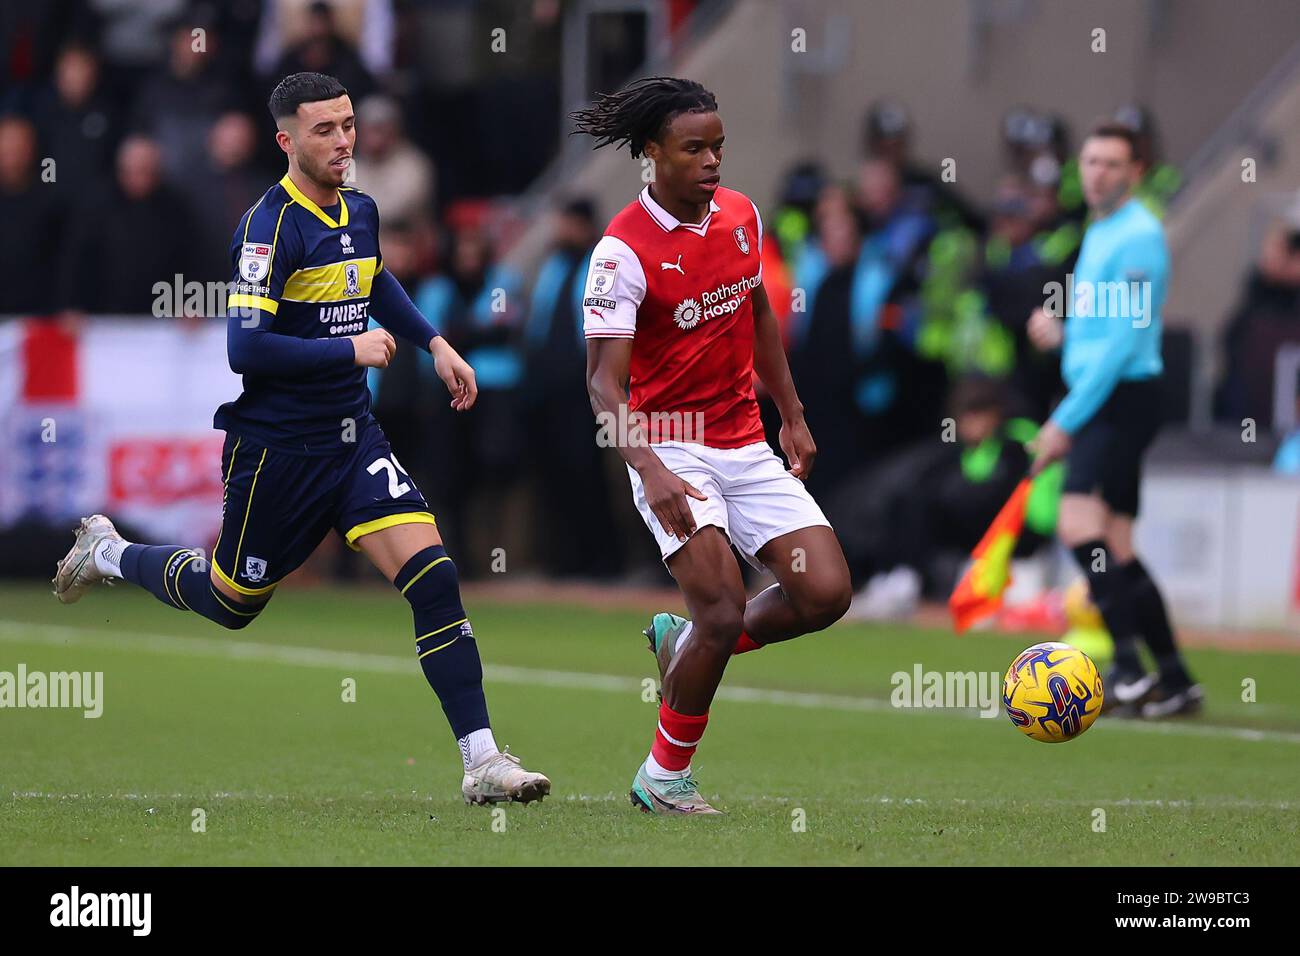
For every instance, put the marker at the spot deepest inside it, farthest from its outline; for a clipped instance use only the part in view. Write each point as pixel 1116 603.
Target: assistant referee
pixel 1111 364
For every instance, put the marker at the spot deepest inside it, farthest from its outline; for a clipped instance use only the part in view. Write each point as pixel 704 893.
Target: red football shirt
pixel 682 292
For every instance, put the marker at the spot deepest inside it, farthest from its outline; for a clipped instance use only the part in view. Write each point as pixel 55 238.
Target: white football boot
pixel 77 573
pixel 500 778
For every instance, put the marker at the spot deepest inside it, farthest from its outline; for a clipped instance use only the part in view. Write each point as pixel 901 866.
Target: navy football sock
pixel 1112 592
pixel 444 640
pixel 1153 623
pixel 178 576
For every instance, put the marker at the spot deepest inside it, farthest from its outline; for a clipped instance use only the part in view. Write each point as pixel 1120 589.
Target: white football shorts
pixel 751 496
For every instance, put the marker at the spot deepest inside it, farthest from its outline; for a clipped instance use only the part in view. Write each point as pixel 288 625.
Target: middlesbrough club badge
pixel 742 239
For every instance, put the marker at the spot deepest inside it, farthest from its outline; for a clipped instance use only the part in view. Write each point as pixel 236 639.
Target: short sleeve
pixel 614 290
pixel 758 225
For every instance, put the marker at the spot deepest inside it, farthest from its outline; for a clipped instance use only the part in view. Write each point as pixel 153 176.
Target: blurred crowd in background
pixel 903 302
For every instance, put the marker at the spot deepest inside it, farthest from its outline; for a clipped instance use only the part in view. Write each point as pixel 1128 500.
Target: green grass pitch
pixel 804 752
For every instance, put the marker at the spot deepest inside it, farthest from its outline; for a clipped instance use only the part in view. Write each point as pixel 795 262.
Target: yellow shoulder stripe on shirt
pixel 330 283
pixel 275 241
pixel 314 209
pixel 249 221
pixel 240 300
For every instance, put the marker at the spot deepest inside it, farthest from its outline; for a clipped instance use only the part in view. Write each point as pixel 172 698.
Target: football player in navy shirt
pixel 303 454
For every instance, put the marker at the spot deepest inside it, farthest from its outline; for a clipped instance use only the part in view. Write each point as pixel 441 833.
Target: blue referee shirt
pixel 1113 310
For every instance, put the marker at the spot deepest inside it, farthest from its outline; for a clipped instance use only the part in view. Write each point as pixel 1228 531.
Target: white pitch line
pixel 238 650
pixel 1207 803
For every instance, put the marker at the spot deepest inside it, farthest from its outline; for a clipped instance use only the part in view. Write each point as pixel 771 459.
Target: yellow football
pixel 1052 692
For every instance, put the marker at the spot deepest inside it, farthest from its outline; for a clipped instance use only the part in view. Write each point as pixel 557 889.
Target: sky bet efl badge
pixel 602 276
pixel 255 261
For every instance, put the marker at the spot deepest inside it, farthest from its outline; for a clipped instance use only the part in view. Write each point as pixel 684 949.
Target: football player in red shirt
pixel 677 322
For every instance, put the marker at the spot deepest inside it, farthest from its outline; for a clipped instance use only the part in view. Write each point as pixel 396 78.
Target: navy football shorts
pixel 279 506
pixel 1105 455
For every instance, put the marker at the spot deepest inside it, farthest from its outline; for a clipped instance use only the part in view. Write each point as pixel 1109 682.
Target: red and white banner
pixel 115 417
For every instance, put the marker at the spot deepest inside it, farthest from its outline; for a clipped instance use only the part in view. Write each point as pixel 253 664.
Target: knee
pixel 720 622
pixel 1080 519
pixel 238 623
pixel 430 582
pixel 431 585
pixel 1119 543
pixel 1120 551
pixel 1073 532
pixel 231 613
pixel 823 601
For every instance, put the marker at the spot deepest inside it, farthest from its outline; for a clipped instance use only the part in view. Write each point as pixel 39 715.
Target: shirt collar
pixel 667 221
pixel 301 199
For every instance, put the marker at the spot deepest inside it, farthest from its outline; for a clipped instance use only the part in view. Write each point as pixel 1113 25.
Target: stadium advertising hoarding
pixel 86 431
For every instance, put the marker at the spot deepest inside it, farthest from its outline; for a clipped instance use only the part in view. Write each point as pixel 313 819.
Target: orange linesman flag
pixel 979 592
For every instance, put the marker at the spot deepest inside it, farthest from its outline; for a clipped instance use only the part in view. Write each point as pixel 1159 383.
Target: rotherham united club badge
pixel 742 239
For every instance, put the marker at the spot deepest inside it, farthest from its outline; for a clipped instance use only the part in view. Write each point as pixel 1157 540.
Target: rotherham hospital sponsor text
pixel 723 300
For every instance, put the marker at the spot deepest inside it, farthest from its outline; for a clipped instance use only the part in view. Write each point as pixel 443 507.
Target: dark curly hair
pixel 642 111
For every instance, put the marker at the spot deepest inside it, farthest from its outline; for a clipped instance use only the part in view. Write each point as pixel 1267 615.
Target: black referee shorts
pixel 1106 454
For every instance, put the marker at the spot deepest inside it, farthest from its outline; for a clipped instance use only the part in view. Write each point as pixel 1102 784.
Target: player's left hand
pixel 1050 444
pixel 799 447
pixel 456 374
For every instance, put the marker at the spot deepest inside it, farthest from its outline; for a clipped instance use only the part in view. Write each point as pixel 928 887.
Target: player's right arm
pixel 608 360
pixel 614 292
pixel 264 253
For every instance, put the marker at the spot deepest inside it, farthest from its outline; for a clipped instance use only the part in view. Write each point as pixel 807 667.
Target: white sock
pixel 108 556
pixel 687 631
pixel 477 746
pixel 656 772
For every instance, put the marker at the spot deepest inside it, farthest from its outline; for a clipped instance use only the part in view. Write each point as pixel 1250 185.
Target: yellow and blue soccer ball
pixel 1052 692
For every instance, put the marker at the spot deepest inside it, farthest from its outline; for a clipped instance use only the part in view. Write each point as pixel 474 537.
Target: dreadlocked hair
pixel 641 111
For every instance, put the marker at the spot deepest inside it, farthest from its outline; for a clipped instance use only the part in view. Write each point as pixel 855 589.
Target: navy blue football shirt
pixel 302 285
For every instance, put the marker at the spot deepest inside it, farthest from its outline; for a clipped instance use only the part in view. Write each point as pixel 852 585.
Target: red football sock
pixel 745 644
pixel 676 738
